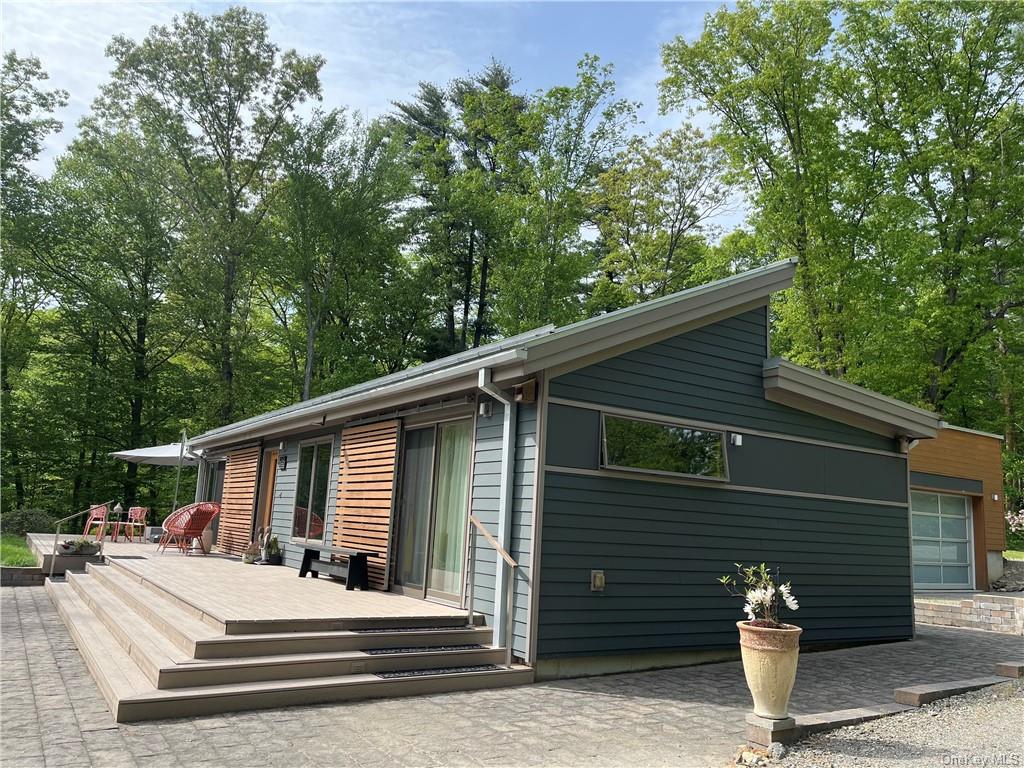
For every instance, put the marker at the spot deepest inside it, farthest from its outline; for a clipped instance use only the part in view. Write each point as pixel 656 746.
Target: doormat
pixel 439 671
pixel 422 649
pixel 371 630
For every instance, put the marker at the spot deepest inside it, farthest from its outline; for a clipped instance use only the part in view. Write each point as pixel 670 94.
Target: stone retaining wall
pixel 21 577
pixel 995 613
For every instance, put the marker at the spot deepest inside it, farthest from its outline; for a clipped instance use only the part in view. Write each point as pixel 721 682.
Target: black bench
pixel 353 572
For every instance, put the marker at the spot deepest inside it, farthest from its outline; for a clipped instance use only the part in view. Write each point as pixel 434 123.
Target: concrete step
pixel 212 699
pixel 116 674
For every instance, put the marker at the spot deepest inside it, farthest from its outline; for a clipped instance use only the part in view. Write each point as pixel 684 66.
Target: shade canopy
pixel 160 455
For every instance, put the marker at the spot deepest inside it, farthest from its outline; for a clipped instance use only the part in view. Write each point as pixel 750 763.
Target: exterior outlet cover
pixel 597 581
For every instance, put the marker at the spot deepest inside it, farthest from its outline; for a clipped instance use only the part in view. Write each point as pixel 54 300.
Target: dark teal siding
pixel 711 374
pixel 662 546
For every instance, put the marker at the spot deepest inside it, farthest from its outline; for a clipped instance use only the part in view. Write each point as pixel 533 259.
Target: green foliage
pixel 203 254
pixel 18 522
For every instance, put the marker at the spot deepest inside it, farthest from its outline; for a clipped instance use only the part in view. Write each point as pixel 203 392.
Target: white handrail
pixel 56 535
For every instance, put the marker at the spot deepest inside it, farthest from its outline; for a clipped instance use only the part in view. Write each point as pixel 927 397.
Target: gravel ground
pixel 983 729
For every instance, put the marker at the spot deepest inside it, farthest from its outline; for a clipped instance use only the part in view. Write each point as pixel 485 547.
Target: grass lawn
pixel 1014 554
pixel 14 551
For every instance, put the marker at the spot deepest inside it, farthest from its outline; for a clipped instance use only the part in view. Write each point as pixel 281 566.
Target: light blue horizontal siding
pixel 484 505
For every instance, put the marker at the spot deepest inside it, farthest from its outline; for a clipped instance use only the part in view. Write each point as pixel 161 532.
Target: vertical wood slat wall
pixel 366 487
pixel 236 507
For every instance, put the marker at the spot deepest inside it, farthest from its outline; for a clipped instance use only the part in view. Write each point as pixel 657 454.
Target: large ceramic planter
pixel 769 664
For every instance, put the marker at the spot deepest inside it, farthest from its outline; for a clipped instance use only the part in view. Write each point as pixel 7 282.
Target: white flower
pixel 787 597
pixel 758 600
pixel 748 609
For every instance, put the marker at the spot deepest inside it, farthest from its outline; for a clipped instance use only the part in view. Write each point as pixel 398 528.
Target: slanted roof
pixel 519 356
pixel 808 390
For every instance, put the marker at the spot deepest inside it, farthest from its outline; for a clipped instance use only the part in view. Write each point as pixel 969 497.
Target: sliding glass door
pixel 433 509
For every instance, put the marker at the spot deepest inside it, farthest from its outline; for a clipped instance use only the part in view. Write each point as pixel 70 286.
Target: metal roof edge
pixel 858 400
pixel 955 428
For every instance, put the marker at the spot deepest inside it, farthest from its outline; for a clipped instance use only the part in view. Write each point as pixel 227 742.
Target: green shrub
pixel 18 522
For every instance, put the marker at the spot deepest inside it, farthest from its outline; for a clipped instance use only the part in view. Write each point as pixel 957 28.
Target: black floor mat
pixel 440 671
pixel 411 649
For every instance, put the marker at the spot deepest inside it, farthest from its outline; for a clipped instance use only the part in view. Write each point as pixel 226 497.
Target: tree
pixel 214 93
pixel 332 230
pixel 652 207
pixel 939 87
pixel 765 71
pixel 26 118
pixel 114 260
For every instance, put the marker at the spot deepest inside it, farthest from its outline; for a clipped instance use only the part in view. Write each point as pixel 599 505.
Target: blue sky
pixel 377 53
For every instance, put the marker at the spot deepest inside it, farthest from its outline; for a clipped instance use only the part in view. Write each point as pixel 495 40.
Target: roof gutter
pixel 349 405
pixel 503 572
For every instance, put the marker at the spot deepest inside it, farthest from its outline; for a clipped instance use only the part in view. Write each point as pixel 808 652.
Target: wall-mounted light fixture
pixel 735 439
pixel 485 409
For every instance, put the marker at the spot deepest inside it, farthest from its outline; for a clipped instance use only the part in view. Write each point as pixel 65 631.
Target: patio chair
pixel 97 516
pixel 136 523
pixel 185 525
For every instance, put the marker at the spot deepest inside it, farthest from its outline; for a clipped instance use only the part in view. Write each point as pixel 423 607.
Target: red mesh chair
pixel 136 522
pixel 97 516
pixel 185 525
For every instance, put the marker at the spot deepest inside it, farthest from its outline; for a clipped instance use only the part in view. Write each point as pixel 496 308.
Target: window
pixel 310 510
pixel 649 446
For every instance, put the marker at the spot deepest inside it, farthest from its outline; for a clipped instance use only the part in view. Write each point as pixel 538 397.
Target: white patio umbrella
pixel 169 455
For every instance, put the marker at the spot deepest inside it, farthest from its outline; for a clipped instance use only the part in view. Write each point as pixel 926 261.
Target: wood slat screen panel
pixel 240 477
pixel 366 488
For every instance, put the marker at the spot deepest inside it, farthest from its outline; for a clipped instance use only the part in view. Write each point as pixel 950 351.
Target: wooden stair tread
pixel 324 656
pixel 309 683
pixel 113 669
pixel 182 620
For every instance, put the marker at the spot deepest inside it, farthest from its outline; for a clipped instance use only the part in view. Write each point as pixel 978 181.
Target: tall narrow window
pixel 650 446
pixel 311 491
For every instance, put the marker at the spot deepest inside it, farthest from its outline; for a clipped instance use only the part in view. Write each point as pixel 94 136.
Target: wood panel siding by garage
pixel 235 528
pixel 968 455
pixel 366 489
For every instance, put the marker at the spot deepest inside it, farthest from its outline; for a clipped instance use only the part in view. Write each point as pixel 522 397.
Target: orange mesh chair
pixel 136 522
pixel 185 525
pixel 97 516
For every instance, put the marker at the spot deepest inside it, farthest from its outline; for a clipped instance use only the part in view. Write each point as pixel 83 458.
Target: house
pixel 957 510
pixel 622 463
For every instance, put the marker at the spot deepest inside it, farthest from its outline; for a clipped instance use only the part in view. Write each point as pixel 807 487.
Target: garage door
pixel 941 526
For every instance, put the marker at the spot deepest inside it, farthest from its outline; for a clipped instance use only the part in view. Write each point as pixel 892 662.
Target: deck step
pixel 263 644
pixel 117 676
pixel 310 665
pixel 179 626
pixel 208 700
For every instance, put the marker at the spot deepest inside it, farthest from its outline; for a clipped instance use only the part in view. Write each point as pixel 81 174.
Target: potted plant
pixel 80 546
pixel 273 554
pixel 251 553
pixel 769 647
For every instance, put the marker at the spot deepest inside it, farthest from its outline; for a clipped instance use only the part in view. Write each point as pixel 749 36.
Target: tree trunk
pixel 227 358
pixel 481 305
pixel 140 374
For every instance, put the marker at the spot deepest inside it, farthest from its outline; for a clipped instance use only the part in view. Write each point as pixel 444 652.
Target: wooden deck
pixel 253 598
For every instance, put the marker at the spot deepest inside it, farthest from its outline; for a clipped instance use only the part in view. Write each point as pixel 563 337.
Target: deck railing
pixel 509 583
pixel 59 523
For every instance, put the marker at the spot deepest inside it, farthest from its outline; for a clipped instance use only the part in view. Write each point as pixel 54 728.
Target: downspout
pixel 505 490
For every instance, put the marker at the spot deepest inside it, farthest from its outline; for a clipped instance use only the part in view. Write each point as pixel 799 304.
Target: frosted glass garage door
pixel 941 528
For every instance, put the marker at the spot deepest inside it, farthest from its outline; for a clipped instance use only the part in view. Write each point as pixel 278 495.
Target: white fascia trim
pixel 902 419
pixel 354 403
